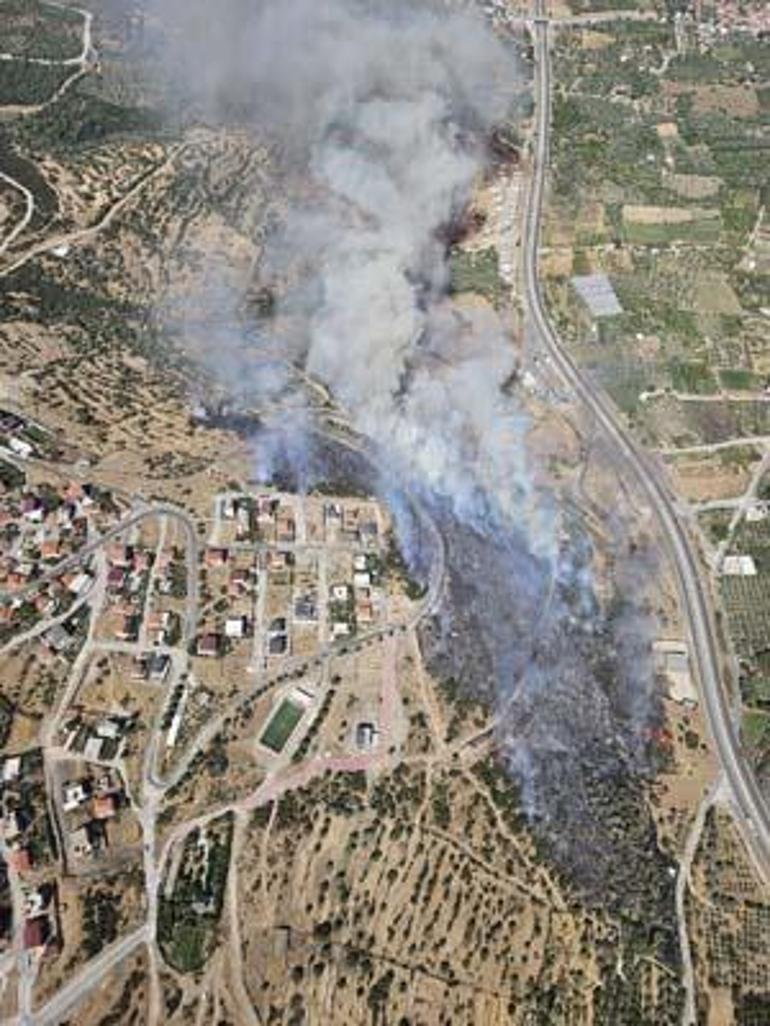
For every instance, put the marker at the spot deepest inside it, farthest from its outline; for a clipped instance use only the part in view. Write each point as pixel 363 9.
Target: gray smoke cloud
pixel 379 114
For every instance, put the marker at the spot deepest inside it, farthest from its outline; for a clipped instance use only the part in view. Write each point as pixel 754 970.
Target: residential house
pixel 128 629
pixel 20 860
pixel 209 645
pixel 36 932
pixel 236 627
pixel 74 794
pixel 116 579
pixel 240 582
pixel 105 806
pixel 158 667
pixel 217 557
pixel 121 555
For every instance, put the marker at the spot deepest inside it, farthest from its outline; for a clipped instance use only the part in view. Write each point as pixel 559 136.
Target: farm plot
pixel 747 604
pixel 651 225
pixel 702 477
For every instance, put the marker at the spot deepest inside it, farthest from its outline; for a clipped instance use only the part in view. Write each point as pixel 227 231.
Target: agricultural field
pixel 704 477
pixel 729 917
pixel 659 183
pixel 477 272
pixel 353 902
pixel 747 604
pixel 659 179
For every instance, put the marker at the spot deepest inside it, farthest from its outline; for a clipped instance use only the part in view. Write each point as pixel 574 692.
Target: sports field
pixel 284 720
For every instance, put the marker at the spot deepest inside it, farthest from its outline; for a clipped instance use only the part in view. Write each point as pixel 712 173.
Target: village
pixel 148 621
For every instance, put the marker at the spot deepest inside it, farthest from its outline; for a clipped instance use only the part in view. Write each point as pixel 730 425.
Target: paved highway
pixel 749 807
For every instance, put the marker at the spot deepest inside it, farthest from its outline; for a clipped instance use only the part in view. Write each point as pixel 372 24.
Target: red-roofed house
pixel 105 806
pixel 20 860
pixel 116 578
pixel 209 645
pixel 216 557
pixel 50 549
pixel 36 932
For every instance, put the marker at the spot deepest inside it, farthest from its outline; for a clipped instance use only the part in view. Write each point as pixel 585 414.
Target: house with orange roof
pixel 20 860
pixel 50 549
pixel 105 806
pixel 217 556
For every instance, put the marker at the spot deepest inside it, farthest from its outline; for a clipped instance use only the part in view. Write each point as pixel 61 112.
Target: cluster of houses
pixel 240 587
pixel 236 571
pixel 39 528
pixel 21 438
pixel 356 604
pixel 88 803
pixel 275 522
pixel 278 636
pixel 130 568
pixel 24 826
pixel 351 603
pixel 24 823
pixel 128 572
pixel 734 16
pixel 214 643
pixel 99 738
pixel 262 518
pixel 41 917
pixel 354 523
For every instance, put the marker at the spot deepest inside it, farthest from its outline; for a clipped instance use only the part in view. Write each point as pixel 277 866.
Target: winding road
pixel 29 210
pixel 746 799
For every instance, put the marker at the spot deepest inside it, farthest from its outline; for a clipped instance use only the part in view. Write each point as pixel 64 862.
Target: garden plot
pixel 658 225
pixel 747 599
pixel 692 187
pixel 723 475
pixel 714 294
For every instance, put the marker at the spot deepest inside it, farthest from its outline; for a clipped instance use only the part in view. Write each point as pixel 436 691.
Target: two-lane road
pixel 749 806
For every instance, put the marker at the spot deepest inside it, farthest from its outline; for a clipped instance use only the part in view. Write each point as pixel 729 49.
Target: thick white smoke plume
pixel 381 112
pixel 378 114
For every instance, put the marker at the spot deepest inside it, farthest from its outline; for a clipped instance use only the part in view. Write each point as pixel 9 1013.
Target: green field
pixel 716 524
pixel 279 729
pixel 755 728
pixel 756 692
pixel 692 378
pixel 738 379
pixel 476 272
pixel 701 230
pixel 188 947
